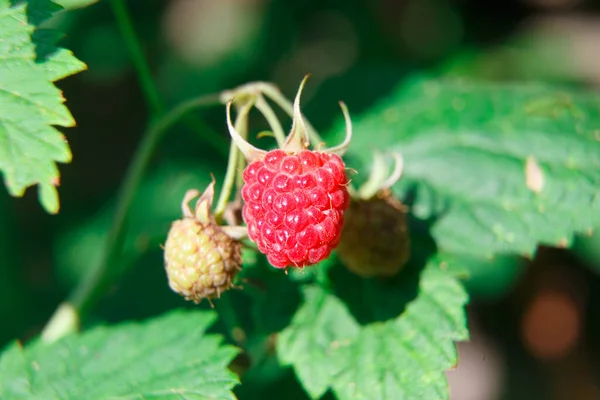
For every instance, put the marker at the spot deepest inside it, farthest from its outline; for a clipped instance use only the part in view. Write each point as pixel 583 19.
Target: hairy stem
pixel 95 282
pixel 232 163
pixel 269 114
pixel 142 69
pixel 144 76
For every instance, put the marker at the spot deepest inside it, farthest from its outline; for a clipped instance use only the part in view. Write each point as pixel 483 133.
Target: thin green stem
pixel 92 287
pixel 241 163
pixel 322 277
pixel 239 177
pixel 228 182
pixel 94 283
pixel 273 121
pixel 142 69
pixel 241 126
pixel 146 81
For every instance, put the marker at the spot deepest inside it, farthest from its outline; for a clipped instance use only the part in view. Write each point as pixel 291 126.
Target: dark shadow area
pixel 16 304
pixel 264 302
pixel 143 292
pixel 371 300
pixel 45 41
pixel 360 88
pixel 558 293
pixel 39 11
pixel 272 297
pixel 380 299
pixel 270 381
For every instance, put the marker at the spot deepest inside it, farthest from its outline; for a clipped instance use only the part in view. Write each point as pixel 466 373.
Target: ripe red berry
pixel 294 205
pixel 294 197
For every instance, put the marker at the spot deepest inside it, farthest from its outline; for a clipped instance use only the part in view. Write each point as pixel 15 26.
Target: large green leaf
pixel 311 343
pixel 170 357
pixel 30 103
pixel 400 358
pixel 466 147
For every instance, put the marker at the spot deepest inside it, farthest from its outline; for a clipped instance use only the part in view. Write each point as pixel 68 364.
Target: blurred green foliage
pixel 358 51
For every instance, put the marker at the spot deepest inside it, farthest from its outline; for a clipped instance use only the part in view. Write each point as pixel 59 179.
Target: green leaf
pixel 12 379
pixel 466 147
pixel 312 342
pixel 400 358
pixel 29 146
pixel 170 357
pixel 73 4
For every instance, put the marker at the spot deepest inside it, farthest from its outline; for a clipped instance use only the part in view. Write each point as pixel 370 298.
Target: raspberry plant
pixel 326 268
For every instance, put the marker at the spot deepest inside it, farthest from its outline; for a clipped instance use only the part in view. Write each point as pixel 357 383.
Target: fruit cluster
pixel 294 203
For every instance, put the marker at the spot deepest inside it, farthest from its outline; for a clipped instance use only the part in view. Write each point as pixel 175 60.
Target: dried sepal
pixel 203 205
pixel 236 232
pixel 380 177
pixel 186 211
pixel 298 138
pixel 341 149
pixel 250 152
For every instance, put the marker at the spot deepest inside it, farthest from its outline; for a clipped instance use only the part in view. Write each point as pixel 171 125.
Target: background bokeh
pixel 535 323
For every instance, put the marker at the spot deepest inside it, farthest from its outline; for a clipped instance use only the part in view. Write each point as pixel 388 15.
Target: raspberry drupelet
pixel 294 197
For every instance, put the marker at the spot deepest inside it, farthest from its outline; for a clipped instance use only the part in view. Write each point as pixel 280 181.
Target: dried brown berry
pixel 375 239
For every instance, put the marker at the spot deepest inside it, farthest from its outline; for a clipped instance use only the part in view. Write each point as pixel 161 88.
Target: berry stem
pixel 144 76
pixel 132 41
pixel 241 125
pixel 322 277
pixel 274 94
pixel 239 177
pixel 269 114
pixel 96 280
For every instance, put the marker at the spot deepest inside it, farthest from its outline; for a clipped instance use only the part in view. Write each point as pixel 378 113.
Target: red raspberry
pixel 295 198
pixel 294 205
